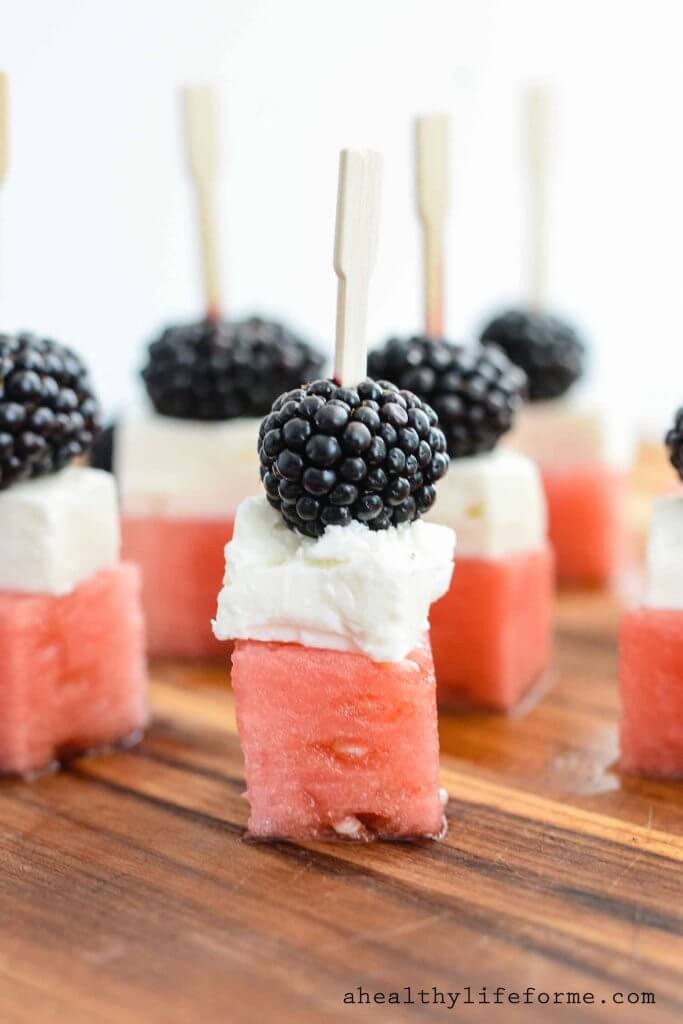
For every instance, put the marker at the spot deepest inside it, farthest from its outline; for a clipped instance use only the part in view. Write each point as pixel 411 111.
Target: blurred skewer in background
pixel 583 449
pixel 431 178
pixel 537 127
pixel 186 461
pixel 201 150
pixel 214 369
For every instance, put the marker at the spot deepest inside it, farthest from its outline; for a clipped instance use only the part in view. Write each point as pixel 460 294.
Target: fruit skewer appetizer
pixel 208 384
pixel 491 631
pixel 651 644
pixel 582 454
pixel 328 584
pixel 72 673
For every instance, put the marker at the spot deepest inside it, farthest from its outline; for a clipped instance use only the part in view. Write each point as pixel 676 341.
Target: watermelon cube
pixel 182 563
pixel 586 522
pixel 651 688
pixel 491 631
pixel 72 675
pixel 337 745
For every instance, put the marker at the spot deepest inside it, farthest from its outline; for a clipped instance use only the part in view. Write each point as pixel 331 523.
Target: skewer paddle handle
pixel 201 146
pixel 431 179
pixel 355 254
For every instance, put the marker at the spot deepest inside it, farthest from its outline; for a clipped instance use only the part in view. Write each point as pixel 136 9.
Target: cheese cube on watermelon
pixel 491 632
pixel 651 655
pixel 72 672
pixel 584 455
pixel 181 481
pixel 333 675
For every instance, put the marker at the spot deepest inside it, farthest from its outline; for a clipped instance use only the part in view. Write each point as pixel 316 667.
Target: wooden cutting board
pixel 128 893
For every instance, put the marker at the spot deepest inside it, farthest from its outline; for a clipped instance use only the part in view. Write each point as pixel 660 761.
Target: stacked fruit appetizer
pixel 491 631
pixel 72 675
pixel 329 580
pixel 208 383
pixel 651 644
pixel 582 455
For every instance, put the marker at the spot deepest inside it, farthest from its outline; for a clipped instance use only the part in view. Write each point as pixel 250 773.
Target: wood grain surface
pixel 128 894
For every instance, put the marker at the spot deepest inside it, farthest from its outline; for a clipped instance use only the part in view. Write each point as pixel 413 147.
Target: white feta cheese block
pixel 185 468
pixel 494 502
pixel 665 554
pixel 353 589
pixel 565 432
pixel 57 531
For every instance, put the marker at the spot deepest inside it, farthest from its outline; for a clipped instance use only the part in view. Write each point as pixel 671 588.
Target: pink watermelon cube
pixel 586 522
pixel 651 687
pixel 72 675
pixel 491 633
pixel 337 745
pixel 182 563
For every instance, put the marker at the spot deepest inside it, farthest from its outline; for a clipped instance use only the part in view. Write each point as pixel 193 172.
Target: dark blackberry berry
pixel 330 455
pixel 674 442
pixel 318 482
pixel 49 415
pixel 548 350
pixel 216 370
pixel 475 392
pixel 102 451
pixel 352 470
pixel 323 450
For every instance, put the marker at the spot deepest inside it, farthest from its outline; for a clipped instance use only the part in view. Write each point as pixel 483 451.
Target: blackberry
pixel 548 350
pixel 475 392
pixel 49 415
pixel 102 451
pixel 674 442
pixel 330 455
pixel 216 370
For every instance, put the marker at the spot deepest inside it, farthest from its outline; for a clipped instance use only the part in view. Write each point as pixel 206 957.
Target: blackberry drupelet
pixel 217 370
pixel 548 350
pixel 49 415
pixel 475 392
pixel 674 442
pixel 331 454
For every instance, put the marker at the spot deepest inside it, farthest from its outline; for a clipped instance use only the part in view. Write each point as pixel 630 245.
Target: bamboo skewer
pixel 538 130
pixel 431 178
pixel 355 252
pixel 201 147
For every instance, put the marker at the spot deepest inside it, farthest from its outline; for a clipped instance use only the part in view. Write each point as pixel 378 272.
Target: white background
pixel 97 244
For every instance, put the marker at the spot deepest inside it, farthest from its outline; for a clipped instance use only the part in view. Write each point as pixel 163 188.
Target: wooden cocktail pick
pixel 355 252
pixel 431 179
pixel 537 140
pixel 201 147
